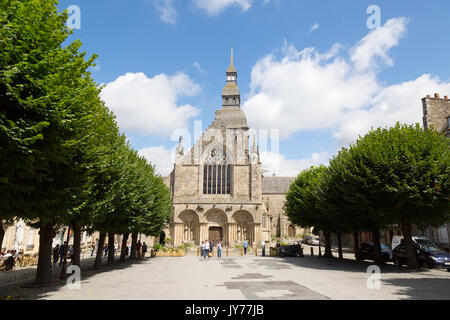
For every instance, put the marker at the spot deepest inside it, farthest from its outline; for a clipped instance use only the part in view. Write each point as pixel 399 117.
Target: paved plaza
pixel 238 278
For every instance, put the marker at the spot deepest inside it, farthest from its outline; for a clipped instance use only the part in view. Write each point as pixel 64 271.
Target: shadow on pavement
pixel 422 288
pixel 20 291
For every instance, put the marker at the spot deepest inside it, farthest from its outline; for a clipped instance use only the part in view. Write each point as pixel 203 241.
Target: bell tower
pixel 230 93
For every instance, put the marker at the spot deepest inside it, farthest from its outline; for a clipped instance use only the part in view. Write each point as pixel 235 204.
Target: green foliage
pixel 158 247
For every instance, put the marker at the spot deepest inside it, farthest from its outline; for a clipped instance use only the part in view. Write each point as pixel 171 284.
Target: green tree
pixel 303 204
pixel 41 84
pixel 401 175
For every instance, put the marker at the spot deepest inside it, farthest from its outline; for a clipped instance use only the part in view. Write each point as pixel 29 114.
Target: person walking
pixel 55 254
pixel 62 252
pixel 70 253
pixel 92 248
pixel 263 247
pixel 144 250
pixel 245 244
pixel 206 252
pixel 219 249
pixel 106 249
pixel 202 248
pixel 138 248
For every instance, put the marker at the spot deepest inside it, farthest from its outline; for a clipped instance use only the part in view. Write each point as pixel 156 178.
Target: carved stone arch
pixel 215 217
pixel 188 216
pixel 214 154
pixel 242 216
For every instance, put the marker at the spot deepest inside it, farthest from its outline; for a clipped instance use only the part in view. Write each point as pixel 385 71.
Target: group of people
pixel 62 251
pixel 8 258
pixel 207 247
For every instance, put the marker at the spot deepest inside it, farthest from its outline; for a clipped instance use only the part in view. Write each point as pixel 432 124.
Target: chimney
pixel 436 95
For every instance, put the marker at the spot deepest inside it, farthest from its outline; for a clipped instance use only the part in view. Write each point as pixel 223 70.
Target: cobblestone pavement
pixel 240 278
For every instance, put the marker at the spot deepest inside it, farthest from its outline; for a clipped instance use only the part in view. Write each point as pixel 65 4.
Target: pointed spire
pixel 232 60
pixel 231 68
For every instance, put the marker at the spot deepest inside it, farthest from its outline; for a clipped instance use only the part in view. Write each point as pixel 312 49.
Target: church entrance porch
pixel 215 235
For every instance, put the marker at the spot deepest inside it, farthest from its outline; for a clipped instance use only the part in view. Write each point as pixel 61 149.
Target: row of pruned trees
pixel 63 160
pixel 398 175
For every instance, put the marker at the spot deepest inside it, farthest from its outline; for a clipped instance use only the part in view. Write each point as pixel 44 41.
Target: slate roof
pixel 276 185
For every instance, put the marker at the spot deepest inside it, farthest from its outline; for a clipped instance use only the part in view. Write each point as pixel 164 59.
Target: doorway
pixel 215 235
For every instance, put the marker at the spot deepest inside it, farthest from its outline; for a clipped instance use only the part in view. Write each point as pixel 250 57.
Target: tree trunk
pixel 339 239
pixel 110 248
pixel 100 247
pixel 134 237
pixel 44 267
pixel 356 248
pixel 2 232
pixel 123 249
pixel 327 236
pixel 76 243
pixel 378 256
pixel 411 257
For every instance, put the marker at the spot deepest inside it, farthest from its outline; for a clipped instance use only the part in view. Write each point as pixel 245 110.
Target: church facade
pixel 218 189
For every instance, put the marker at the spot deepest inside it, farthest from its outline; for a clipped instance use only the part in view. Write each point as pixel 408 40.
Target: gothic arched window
pixel 217 173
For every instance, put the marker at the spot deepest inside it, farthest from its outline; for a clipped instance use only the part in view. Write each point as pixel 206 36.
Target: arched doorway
pixel 291 231
pixel 190 231
pixel 244 226
pixel 216 225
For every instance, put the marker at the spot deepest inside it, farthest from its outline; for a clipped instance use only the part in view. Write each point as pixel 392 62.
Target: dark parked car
pixel 367 252
pixel 429 256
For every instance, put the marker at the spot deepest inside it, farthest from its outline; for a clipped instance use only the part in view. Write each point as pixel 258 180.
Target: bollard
pixel 312 252
pixel 320 251
pixel 256 251
pixel 198 251
pixel 227 251
pixel 242 251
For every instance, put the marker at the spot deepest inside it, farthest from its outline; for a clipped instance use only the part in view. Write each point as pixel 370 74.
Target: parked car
pixel 428 256
pixel 366 252
pixel 397 240
pixel 314 241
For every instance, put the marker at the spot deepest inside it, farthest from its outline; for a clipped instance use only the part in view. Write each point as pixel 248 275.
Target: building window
pixel 217 179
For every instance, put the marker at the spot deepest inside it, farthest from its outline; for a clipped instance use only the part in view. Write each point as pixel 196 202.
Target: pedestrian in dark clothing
pixel 144 250
pixel 55 254
pixel 92 249
pixel 62 252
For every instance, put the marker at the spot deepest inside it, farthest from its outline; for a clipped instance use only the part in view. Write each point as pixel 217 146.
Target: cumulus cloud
pixel 166 10
pixel 213 7
pixel 336 90
pixel 161 157
pixel 277 163
pixel 151 105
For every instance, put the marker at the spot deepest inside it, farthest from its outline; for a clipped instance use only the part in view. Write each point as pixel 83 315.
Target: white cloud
pixel 160 157
pixel 199 68
pixel 315 26
pixel 278 164
pixel 150 105
pixel 213 7
pixel 372 50
pixel 338 90
pixel 166 10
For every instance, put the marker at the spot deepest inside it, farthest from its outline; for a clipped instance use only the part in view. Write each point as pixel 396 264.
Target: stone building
pixel 436 115
pixel 218 190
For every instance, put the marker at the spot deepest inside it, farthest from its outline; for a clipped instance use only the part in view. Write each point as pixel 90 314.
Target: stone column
pixel 232 233
pixel 203 231
pixel 179 233
pixel 257 232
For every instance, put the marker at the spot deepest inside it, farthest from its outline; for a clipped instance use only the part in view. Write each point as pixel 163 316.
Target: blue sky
pixel 312 69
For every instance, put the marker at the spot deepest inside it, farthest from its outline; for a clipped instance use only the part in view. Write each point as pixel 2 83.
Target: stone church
pixel 218 189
